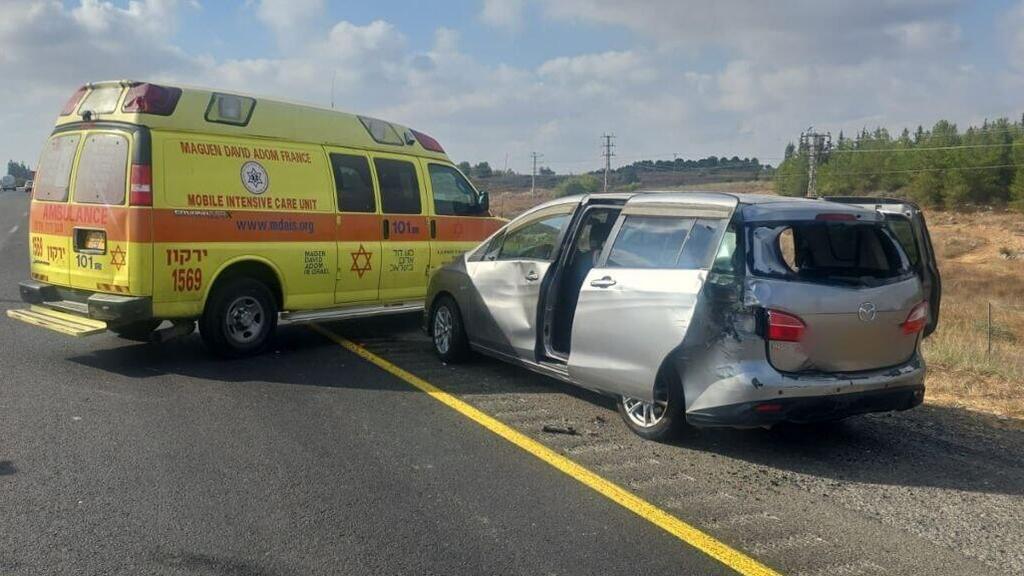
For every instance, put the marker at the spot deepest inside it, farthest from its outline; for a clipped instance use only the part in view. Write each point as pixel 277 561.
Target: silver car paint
pixel 623 333
pixel 510 296
pixel 713 341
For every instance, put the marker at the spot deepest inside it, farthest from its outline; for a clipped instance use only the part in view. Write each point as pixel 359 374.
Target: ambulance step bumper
pixel 64 323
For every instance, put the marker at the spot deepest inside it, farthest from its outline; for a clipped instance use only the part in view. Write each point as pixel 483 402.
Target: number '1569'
pixel 187 279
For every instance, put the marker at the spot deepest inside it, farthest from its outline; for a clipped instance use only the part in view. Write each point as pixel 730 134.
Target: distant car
pixel 7 182
pixel 28 186
pixel 703 308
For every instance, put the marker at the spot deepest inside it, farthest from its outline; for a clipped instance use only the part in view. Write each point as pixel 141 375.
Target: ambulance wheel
pixel 240 318
pixel 661 420
pixel 137 331
pixel 447 331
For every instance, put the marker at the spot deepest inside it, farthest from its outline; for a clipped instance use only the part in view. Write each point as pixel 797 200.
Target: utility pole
pixel 607 157
pixel 817 146
pixel 533 175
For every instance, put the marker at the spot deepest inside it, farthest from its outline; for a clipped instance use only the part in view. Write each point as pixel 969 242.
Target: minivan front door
pixel 907 222
pixel 508 279
pixel 637 304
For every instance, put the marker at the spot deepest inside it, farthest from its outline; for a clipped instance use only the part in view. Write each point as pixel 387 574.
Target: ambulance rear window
pixel 54 173
pixel 102 167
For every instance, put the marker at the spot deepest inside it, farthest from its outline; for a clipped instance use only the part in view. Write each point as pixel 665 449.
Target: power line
pixel 925 149
pixel 916 170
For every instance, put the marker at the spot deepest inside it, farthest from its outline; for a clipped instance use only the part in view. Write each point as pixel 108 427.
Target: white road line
pixel 13 230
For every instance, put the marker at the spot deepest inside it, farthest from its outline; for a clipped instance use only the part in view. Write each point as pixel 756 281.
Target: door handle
pixel 433 229
pixel 532 276
pixel 386 229
pixel 605 282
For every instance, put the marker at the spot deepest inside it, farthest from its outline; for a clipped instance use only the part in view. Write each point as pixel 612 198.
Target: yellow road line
pixel 706 543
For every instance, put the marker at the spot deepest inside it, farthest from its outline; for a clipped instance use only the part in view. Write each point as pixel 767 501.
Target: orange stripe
pixel 408 227
pixel 121 224
pixel 187 225
pixel 359 228
pixel 139 224
pixel 465 228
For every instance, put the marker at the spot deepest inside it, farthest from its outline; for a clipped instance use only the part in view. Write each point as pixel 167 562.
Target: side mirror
pixel 484 202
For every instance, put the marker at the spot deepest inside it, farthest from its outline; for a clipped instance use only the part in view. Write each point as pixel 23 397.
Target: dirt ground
pixel 981 259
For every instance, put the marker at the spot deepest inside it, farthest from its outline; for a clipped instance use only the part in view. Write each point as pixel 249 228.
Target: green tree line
pixel 938 167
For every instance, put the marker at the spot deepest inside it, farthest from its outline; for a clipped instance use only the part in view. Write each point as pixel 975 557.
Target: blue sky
pixel 497 79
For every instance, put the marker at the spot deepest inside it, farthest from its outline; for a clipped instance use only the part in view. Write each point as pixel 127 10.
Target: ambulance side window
pixel 399 187
pixel 453 195
pixel 353 183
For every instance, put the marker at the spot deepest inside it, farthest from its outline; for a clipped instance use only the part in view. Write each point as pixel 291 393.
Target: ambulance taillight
pixel 427 142
pixel 72 103
pixel 151 99
pixel 141 191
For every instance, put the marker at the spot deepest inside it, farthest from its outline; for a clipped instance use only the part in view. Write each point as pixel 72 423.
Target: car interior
pixel 590 237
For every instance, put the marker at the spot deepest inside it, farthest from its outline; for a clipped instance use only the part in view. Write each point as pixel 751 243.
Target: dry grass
pixel 975 272
pixel 981 258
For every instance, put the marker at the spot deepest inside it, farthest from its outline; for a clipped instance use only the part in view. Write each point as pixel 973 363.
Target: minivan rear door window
pixel 102 170
pixel 829 252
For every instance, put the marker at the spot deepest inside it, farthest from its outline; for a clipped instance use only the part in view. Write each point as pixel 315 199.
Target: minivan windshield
pixel 847 253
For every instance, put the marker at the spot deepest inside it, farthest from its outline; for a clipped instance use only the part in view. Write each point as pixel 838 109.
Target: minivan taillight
pixel 141 191
pixel 72 103
pixel 917 319
pixel 151 99
pixel 783 327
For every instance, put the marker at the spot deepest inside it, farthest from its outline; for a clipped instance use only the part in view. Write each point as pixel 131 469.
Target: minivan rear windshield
pixel 829 252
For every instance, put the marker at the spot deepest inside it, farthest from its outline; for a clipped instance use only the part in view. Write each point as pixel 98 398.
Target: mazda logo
pixel 867 312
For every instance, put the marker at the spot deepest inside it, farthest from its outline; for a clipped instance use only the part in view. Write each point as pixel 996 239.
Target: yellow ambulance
pixel 156 202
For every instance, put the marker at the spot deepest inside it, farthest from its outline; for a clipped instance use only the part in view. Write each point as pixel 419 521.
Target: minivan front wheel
pixel 240 318
pixel 660 420
pixel 447 332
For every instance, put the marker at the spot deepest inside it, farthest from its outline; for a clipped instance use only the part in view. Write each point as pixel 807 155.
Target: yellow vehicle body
pixel 141 207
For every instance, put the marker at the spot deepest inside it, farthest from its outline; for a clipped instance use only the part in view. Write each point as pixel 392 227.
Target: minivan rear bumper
pixel 808 409
pixel 762 396
pixel 111 308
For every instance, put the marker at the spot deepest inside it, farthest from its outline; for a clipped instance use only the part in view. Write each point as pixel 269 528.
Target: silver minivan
pixel 708 309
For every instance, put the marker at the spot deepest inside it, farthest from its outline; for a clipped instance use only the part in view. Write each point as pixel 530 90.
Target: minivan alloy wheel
pixel 443 329
pixel 645 414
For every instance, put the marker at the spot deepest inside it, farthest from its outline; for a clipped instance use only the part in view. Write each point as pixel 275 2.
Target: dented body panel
pixel 706 323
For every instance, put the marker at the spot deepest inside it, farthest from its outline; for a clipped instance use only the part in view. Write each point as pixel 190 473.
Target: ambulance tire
pixel 239 319
pixel 140 331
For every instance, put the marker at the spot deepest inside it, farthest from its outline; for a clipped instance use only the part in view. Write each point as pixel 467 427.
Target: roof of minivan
pixel 753 207
pixel 270 118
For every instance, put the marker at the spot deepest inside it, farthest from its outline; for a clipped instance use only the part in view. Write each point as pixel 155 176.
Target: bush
pixel 585 184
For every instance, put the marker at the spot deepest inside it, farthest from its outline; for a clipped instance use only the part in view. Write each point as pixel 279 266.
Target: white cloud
pixel 736 79
pixel 290 20
pixel 762 31
pixel 503 13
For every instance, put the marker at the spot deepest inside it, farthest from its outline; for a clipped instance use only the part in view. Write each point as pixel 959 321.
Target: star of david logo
pixel 117 258
pixel 361 261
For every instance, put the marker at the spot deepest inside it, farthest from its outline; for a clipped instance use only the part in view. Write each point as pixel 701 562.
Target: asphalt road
pixel 120 458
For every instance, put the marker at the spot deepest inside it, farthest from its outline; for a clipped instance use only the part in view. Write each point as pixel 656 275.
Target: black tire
pixel 140 331
pixel 239 319
pixel 446 314
pixel 672 421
